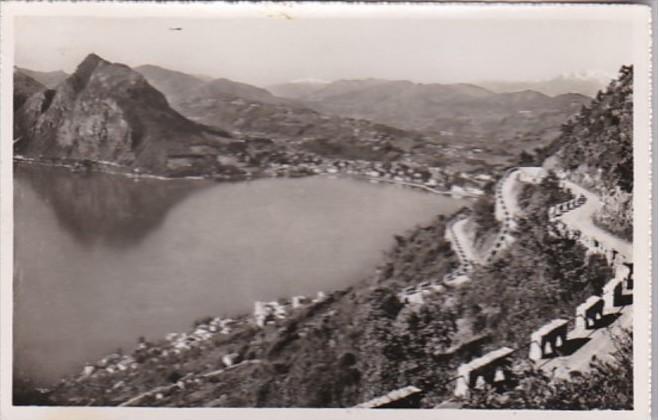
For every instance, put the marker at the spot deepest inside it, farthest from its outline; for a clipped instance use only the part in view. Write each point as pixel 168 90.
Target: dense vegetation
pixel 538 278
pixel 363 341
pixel 596 148
pixel 359 343
pixel 542 277
pixel 601 135
pixel 607 386
pixel 484 216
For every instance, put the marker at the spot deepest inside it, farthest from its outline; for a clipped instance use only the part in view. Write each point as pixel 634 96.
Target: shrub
pixel 174 376
pixel 608 385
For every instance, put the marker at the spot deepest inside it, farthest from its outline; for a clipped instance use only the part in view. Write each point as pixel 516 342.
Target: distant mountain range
pixel 252 111
pixel 585 83
pixel 444 113
pixel 163 120
pixel 49 79
pixel 451 113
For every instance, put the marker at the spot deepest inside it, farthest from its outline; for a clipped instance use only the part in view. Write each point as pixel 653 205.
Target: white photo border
pixel 639 15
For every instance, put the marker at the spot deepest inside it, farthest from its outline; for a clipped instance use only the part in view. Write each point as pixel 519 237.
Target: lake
pixel 101 260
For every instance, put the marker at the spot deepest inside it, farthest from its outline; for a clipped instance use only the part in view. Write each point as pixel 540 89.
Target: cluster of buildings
pixel 266 313
pixel 415 295
pixel 290 162
pixel 176 343
pixel 293 163
pixel 203 332
pixel 110 364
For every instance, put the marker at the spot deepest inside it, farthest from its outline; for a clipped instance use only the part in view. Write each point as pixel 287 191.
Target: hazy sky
pixel 264 51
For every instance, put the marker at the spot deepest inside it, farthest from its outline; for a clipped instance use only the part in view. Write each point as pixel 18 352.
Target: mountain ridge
pixel 108 112
pixel 24 87
pixel 252 111
pixel 585 84
pixel 49 79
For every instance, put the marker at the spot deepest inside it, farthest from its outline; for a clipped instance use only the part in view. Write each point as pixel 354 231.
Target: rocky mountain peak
pixel 109 112
pixel 85 69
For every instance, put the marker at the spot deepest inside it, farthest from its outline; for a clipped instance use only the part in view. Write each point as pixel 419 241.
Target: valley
pixel 443 309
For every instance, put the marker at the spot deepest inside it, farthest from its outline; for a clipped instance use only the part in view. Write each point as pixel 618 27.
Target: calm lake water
pixel 102 260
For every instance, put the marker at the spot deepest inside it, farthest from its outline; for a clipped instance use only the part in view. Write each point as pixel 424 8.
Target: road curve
pixel 599 342
pixel 581 219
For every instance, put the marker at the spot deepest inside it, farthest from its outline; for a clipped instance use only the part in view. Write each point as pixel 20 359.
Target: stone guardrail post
pixel 558 210
pixel 629 274
pixel 619 291
pixel 611 256
pixel 491 369
pixel 616 295
pixel 589 313
pixel 548 340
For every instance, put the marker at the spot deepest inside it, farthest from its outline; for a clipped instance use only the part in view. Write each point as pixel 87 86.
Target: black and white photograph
pixel 314 206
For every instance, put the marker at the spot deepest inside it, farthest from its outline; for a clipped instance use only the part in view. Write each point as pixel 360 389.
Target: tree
pixel 608 385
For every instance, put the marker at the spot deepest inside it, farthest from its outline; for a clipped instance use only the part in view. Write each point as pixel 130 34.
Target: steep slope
pixel 179 87
pixel 362 342
pixel 341 350
pixel 173 84
pixel 50 79
pixel 108 112
pixel 595 150
pixel 24 87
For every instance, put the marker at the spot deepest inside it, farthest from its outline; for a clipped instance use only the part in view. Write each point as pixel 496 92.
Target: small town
pixel 247 208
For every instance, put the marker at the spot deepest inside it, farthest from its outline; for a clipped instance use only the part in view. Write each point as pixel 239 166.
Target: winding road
pixel 463 247
pixel 581 219
pixel 599 342
pixel 506 209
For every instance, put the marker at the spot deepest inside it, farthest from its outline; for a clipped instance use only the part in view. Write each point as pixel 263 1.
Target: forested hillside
pixel 596 149
pixel 366 340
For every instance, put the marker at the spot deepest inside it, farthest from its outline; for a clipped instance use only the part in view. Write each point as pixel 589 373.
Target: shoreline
pixel 270 320
pixel 246 318
pixel 103 168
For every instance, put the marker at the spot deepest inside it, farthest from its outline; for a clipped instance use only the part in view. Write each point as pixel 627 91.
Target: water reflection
pixel 106 209
pixel 101 260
